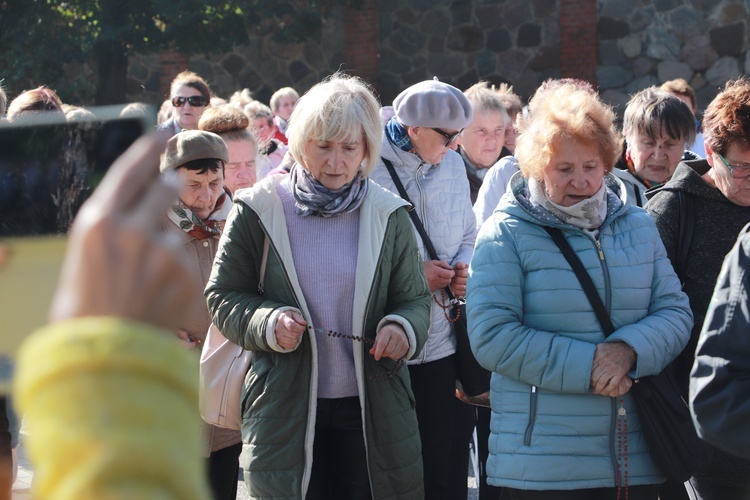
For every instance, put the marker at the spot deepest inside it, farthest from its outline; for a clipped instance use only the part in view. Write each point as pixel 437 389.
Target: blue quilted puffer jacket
pixel 532 325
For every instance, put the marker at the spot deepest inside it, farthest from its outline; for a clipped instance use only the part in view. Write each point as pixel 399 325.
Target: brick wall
pixel 578 52
pixel 361 38
pixel 170 65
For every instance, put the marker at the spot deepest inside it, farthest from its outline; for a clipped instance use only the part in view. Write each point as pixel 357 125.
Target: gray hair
pixel 652 110
pixel 282 92
pixel 484 100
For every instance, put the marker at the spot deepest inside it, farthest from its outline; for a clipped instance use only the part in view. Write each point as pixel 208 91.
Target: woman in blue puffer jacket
pixel 563 422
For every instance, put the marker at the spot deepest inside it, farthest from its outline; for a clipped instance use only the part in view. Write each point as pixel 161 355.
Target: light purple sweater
pixel 324 250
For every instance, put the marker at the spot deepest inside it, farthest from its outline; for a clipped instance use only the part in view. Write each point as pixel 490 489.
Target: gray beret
pixel 433 104
pixel 190 145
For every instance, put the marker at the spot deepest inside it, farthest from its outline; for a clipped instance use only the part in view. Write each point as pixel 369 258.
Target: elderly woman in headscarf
pixel 328 411
pixel 564 424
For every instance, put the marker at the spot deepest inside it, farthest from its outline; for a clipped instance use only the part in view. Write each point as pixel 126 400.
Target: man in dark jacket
pixel 717 191
pixel 719 380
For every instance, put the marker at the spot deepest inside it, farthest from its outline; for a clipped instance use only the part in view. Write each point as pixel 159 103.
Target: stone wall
pixel 644 43
pixel 463 41
pixel 261 65
pixel 636 44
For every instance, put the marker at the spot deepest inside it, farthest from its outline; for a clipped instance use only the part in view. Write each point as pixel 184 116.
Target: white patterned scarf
pixel 588 214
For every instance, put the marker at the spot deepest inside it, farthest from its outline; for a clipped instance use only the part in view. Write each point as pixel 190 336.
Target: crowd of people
pixel 332 235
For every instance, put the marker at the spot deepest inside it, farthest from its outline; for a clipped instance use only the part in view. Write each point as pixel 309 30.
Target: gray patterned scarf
pixel 313 198
pixel 588 214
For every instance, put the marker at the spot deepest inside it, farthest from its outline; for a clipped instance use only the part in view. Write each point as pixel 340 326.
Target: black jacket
pixel 719 381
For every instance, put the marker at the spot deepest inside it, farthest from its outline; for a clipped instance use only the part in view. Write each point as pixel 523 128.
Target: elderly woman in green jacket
pixel 328 411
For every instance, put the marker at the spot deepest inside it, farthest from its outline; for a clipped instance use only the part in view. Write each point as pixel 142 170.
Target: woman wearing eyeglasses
pixel 189 95
pixel 718 189
pixel 418 143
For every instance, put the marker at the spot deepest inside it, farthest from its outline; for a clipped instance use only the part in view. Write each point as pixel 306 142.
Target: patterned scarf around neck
pixel 588 214
pixel 397 135
pixel 196 227
pixel 313 198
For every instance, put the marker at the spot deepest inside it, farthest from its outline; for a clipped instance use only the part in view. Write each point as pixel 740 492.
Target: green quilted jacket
pixel 279 397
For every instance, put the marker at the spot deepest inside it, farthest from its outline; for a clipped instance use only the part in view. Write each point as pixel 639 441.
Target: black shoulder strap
pixel 583 277
pixel 685 233
pixel 412 211
pixel 414 217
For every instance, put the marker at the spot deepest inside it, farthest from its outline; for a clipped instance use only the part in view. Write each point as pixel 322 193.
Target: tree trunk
pixel 112 69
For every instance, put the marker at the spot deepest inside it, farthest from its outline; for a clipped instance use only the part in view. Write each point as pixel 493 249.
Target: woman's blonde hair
pixel 559 111
pixel 281 93
pixel 335 110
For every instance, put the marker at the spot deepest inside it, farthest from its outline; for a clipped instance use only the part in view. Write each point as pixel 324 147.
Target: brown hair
pixel 652 110
pixel 511 100
pixel 40 99
pixel 193 80
pixel 680 86
pixel 227 122
pixel 727 117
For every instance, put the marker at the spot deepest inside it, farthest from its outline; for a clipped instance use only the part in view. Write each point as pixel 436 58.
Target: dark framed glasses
pixel 196 101
pixel 448 137
pixel 735 172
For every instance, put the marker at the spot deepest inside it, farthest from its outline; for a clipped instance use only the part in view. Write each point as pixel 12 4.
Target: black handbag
pixel 473 379
pixel 663 412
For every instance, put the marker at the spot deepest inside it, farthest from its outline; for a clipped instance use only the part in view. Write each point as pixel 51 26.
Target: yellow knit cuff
pixel 111 409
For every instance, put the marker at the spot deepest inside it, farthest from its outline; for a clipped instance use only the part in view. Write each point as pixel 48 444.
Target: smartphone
pixel 48 168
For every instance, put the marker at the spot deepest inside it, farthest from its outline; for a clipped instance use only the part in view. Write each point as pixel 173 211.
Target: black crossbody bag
pixel 663 413
pixel 474 379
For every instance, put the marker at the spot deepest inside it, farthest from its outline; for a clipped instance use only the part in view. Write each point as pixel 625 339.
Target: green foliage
pixel 39 36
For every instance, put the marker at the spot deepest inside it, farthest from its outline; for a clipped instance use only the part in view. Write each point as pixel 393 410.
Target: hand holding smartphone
pixel 48 168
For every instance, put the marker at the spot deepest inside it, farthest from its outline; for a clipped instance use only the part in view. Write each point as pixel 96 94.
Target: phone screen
pixel 48 168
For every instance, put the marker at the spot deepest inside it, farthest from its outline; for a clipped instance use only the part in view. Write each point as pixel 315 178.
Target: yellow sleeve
pixel 111 409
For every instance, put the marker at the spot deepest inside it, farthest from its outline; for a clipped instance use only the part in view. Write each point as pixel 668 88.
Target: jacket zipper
pixel 364 322
pixel 605 271
pixel 419 170
pixel 532 415
pixel 306 473
pixel 613 408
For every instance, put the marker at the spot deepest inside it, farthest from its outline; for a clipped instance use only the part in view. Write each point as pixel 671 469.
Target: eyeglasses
pixel 196 101
pixel 734 171
pixel 448 137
